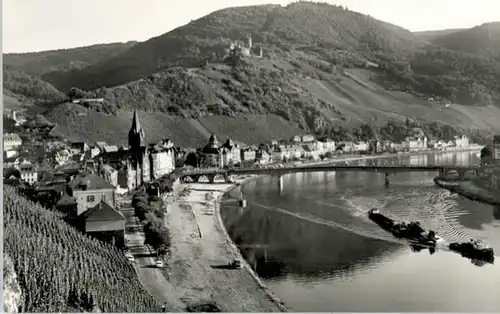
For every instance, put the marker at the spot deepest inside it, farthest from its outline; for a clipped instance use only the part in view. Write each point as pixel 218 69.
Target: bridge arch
pixel 218 177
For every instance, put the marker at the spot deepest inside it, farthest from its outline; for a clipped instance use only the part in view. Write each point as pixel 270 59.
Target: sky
pixel 37 25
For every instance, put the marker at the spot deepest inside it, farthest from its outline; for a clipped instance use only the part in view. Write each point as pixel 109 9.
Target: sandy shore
pixel 201 249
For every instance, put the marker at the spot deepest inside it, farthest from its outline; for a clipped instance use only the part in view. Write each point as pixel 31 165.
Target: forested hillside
pixel 324 68
pixel 325 32
pixel 39 63
pixel 24 85
pixel 481 40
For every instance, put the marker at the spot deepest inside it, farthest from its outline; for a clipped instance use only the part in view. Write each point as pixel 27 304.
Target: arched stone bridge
pixel 226 174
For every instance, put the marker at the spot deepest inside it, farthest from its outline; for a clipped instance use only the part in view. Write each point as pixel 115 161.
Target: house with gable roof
pixel 104 222
pixel 89 189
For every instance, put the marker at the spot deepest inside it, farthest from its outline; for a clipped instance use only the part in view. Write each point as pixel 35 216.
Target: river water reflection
pixel 316 249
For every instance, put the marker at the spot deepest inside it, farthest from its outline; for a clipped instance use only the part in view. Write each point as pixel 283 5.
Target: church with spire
pixel 141 162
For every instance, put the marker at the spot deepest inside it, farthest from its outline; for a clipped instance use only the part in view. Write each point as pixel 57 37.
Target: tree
pixel 366 132
pixel 408 123
pixel 192 159
pixel 12 172
pixel 486 155
pixel 141 206
pixel 156 234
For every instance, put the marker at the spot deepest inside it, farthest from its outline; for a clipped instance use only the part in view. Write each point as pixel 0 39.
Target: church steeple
pixel 136 137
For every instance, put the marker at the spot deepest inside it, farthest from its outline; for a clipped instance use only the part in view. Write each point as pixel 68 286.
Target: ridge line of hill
pixel 322 67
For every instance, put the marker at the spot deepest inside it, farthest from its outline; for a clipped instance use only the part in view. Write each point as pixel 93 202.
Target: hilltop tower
pixel 137 146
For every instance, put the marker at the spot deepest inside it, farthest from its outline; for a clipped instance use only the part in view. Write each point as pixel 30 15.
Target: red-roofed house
pixel 90 189
pixel 104 222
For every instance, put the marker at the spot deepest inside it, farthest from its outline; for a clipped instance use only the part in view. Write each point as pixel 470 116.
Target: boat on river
pixel 474 250
pixel 411 231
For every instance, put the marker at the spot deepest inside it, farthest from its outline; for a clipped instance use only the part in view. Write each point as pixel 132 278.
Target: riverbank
pixel 354 157
pixel 201 250
pixel 468 189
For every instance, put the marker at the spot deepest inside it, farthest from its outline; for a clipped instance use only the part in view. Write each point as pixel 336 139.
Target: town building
pixel 309 152
pixel 28 173
pixel 140 163
pixel 329 145
pixel 231 153
pixel 263 156
pixel 104 222
pixel 9 154
pixel 346 147
pixel 297 139
pixel 212 153
pixel 89 189
pixel 360 146
pixel 496 147
pixel 461 141
pixel 79 147
pixel 11 141
pixel 110 148
pixel 109 174
pixel 277 154
pixel 307 138
pixel 416 143
pixel 248 154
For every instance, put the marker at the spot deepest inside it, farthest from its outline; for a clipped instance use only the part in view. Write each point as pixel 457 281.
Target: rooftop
pixel 90 181
pixel 66 200
pixel 102 212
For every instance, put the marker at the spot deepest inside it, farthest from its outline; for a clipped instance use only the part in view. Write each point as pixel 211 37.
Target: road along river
pixel 315 248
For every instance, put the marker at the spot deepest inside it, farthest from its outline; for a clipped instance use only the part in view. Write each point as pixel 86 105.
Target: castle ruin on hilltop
pixel 238 48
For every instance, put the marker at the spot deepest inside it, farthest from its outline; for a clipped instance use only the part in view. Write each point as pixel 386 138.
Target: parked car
pixel 159 264
pixel 236 264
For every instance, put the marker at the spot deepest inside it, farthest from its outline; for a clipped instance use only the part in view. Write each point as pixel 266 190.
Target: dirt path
pixel 195 261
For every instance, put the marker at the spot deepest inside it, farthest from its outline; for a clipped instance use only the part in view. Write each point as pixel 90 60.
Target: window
pixel 90 198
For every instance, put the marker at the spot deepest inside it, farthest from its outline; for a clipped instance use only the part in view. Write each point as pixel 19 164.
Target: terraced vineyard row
pixel 57 266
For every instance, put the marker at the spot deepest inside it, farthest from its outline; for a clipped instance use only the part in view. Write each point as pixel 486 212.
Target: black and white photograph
pixel 251 156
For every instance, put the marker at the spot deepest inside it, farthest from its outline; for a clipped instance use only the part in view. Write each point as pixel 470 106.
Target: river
pixel 314 246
